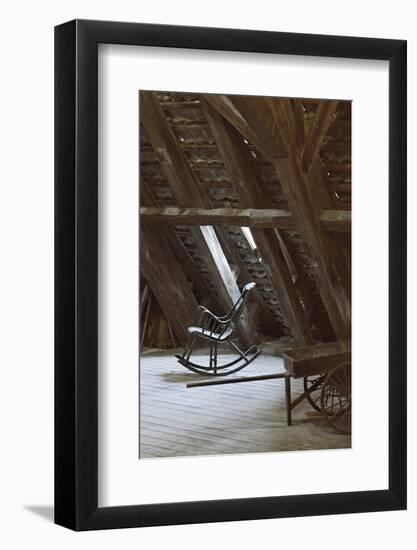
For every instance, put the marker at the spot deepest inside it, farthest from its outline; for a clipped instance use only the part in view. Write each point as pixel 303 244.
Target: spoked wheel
pixel 335 398
pixel 312 389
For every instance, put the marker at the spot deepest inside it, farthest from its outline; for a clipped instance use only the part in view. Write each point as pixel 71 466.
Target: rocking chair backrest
pixel 237 310
pixel 222 327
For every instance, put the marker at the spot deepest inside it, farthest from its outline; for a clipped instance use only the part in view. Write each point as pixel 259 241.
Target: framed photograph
pixel 230 252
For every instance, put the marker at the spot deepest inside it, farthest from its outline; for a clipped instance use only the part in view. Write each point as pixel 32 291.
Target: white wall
pixel 26 299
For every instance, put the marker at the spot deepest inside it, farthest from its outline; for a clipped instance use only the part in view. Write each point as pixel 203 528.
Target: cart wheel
pixel 336 398
pixel 312 390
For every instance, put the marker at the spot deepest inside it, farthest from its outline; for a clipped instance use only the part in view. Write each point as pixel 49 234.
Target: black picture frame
pixel 76 271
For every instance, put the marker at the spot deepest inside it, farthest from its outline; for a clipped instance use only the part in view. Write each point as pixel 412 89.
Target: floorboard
pixel 227 419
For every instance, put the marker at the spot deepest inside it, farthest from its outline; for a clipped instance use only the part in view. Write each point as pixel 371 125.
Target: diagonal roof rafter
pixel 270 126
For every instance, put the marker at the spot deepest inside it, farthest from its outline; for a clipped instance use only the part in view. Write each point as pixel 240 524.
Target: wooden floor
pixel 225 419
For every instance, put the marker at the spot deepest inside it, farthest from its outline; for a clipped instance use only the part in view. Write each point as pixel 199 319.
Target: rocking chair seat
pixel 204 333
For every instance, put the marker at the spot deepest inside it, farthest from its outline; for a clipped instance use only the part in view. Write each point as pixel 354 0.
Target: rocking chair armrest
pixel 222 320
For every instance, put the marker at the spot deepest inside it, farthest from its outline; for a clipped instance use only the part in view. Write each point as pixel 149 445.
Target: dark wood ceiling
pixel 279 166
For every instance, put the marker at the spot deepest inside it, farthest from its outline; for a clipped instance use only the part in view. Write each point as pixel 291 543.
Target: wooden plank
pixel 242 174
pixel 182 181
pixel 248 217
pixel 174 295
pixel 271 121
pixel 322 119
pixel 330 220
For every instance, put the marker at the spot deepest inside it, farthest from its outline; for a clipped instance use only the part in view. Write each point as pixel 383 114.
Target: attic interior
pixel 239 189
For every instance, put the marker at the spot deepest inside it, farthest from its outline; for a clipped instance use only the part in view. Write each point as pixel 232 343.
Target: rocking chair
pixel 219 330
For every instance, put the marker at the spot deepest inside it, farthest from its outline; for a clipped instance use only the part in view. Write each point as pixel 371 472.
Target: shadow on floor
pixel 182 378
pixel 45 512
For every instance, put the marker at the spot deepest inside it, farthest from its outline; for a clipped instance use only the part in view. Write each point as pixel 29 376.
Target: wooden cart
pixel 326 370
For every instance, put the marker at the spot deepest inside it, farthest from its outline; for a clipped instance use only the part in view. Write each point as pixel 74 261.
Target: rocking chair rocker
pixel 219 330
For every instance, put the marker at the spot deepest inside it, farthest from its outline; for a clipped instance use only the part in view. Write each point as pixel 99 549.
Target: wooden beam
pixel 145 193
pixel 330 275
pixel 336 220
pixel 271 120
pixel 337 236
pixel 257 308
pixel 153 243
pixel 172 160
pixel 321 189
pixel 185 187
pixel 242 174
pixel 174 295
pixel 307 288
pixel 322 119
pixel 220 262
pixel 248 217
pixel 330 220
pixel 248 128
pixel 299 125
pixel 292 308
